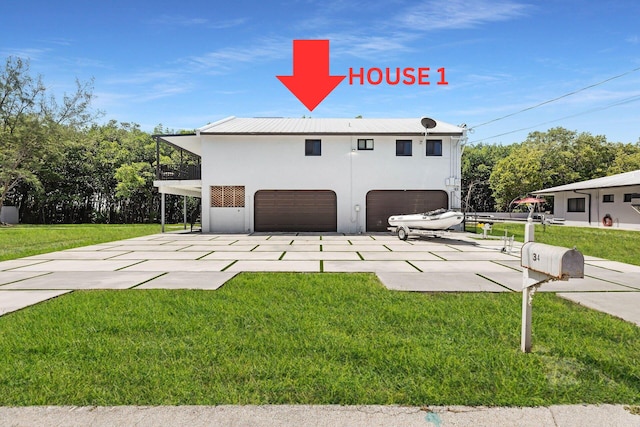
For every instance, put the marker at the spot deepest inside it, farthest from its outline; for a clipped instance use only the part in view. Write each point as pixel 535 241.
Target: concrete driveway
pixel 456 263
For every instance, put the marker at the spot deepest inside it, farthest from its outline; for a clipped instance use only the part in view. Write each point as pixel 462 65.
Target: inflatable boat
pixel 440 219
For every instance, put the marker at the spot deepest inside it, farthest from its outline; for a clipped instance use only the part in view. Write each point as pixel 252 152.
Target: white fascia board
pixel 191 188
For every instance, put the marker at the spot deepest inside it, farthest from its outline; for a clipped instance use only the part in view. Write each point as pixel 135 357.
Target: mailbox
pixel 554 261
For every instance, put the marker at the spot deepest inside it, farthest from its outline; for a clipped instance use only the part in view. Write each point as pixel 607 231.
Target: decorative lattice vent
pixel 227 196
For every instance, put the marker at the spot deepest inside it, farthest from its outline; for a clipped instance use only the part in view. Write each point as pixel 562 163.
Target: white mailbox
pixel 554 261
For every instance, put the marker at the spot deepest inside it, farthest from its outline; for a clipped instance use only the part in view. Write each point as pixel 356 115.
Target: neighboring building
pixel 611 201
pixel 344 175
pixel 9 215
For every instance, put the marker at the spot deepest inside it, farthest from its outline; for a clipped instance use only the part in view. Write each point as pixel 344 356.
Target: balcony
pixel 179 172
pixel 186 164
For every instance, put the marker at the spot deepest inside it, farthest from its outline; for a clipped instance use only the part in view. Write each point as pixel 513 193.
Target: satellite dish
pixel 428 123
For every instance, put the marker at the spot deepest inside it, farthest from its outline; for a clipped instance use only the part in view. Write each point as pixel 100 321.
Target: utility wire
pixel 593 110
pixel 556 99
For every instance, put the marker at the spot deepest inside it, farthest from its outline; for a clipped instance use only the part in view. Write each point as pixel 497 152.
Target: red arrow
pixel 311 82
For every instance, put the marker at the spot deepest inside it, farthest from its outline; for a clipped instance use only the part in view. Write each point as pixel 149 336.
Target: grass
pixel 312 339
pixel 26 240
pixel 615 245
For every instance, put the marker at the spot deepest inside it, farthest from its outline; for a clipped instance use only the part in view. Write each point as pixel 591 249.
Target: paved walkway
pixel 456 263
pixel 321 416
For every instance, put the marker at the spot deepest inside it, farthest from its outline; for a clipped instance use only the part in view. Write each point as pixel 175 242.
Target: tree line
pixel 58 165
pixel 494 175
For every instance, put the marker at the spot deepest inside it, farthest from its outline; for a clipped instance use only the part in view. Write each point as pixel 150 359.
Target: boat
pixel 533 203
pixel 438 220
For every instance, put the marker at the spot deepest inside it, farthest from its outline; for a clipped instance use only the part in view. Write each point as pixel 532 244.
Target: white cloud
pixel 163 90
pixel 405 24
pixel 457 14
pixel 105 99
pixel 58 41
pixel 32 54
pixel 230 92
pixel 367 46
pixel 183 21
pixel 397 33
pixel 223 60
pixel 229 23
pixel 142 77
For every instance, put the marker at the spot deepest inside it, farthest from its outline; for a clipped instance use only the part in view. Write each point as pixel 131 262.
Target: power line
pixel 558 98
pixel 593 110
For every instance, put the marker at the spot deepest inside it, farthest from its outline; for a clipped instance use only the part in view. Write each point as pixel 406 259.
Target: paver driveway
pixel 456 263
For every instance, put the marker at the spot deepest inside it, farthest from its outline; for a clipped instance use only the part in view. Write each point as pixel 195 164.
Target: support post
pixel 162 209
pixel 184 211
pixel 158 175
pixel 527 294
pixel 525 336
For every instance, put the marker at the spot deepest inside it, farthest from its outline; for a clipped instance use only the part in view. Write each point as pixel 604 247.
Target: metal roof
pixel 325 126
pixel 619 180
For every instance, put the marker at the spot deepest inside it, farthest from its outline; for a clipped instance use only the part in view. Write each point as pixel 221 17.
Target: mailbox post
pixel 543 263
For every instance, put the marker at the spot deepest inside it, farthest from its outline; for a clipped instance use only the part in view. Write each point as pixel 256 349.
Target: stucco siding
pixel 278 162
pixel 622 215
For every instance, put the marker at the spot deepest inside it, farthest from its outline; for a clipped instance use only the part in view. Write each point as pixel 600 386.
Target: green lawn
pixel 616 245
pixel 312 339
pixel 26 240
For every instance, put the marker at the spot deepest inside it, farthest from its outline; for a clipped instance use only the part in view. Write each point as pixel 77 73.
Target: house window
pixel 227 196
pixel 575 205
pixel 403 147
pixel 607 198
pixel 312 147
pixel 628 197
pixel 434 147
pixel 365 144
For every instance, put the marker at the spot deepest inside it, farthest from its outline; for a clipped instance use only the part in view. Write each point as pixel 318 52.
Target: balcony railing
pixel 187 164
pixel 183 172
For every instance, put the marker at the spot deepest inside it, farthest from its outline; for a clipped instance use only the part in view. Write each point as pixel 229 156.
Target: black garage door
pixel 381 204
pixel 295 210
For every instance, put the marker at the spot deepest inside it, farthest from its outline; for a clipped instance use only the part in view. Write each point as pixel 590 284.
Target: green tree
pixel 626 158
pixel 517 174
pixel 477 164
pixel 135 189
pixel 119 150
pixel 31 124
pixel 557 157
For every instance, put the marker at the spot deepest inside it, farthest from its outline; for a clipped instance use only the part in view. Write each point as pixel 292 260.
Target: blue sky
pixel 185 64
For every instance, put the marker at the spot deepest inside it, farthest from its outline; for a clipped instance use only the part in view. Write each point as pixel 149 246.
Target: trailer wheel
pixel 402 233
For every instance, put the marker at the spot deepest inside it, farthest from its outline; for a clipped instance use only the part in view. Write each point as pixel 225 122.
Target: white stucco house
pixel 611 201
pixel 316 174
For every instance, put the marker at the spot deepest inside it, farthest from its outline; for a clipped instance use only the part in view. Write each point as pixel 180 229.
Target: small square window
pixel 403 147
pixel 607 198
pixel 628 197
pixel 434 147
pixel 576 205
pixel 312 147
pixel 365 144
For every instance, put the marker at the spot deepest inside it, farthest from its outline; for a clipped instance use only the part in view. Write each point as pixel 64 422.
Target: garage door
pixel 381 204
pixel 295 210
